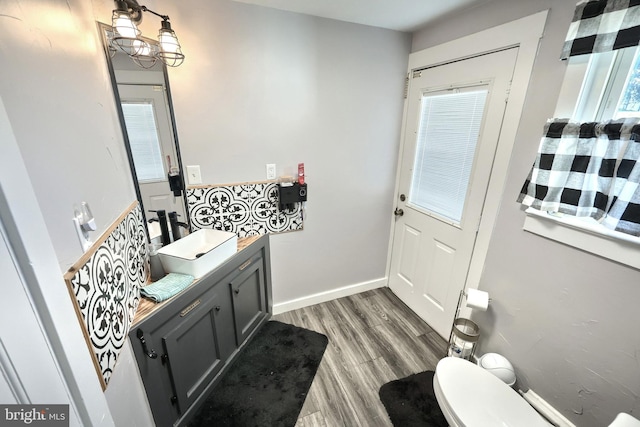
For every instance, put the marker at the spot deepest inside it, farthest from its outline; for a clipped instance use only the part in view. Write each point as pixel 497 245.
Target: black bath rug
pixel 268 383
pixel 411 402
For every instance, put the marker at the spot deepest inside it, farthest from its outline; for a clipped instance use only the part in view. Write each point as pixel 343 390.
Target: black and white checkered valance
pixel 588 169
pixel 601 26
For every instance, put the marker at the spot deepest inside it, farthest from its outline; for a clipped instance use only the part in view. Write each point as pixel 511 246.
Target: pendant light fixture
pixel 126 36
pixel 170 51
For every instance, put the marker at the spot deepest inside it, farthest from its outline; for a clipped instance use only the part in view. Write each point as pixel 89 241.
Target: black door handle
pixel 398 212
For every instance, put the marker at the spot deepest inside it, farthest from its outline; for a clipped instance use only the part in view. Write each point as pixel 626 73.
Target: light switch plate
pixel 193 174
pixel 271 171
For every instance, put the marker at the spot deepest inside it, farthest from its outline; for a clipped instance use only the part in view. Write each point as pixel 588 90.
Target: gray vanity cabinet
pixel 184 347
pixel 196 348
pixel 249 302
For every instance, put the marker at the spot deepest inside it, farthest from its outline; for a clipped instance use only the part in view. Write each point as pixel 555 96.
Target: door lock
pixel 403 197
pixel 398 212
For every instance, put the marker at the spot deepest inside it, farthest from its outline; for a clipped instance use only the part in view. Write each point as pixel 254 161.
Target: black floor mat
pixel 411 402
pixel 269 382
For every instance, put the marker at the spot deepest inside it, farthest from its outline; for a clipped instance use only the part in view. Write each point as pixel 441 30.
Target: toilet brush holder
pixel 463 339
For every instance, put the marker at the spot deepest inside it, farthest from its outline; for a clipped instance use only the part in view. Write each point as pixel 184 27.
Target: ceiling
pixel 399 15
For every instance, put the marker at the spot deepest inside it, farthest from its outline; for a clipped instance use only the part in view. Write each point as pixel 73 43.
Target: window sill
pixel 593 238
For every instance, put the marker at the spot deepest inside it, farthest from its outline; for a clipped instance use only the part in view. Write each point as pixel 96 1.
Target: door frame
pixel 525 33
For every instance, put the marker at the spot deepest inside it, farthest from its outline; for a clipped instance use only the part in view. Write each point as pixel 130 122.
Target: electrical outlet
pixel 271 171
pixel 193 174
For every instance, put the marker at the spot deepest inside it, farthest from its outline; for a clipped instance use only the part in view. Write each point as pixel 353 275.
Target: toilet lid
pixel 478 398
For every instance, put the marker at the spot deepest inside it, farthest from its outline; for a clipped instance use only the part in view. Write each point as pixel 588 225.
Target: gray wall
pixel 258 86
pixel 266 86
pixel 262 86
pixel 564 318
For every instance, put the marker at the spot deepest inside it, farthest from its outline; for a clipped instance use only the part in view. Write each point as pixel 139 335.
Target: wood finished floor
pixel 373 339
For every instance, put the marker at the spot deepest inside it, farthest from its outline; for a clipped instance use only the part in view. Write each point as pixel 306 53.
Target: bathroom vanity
pixel 184 346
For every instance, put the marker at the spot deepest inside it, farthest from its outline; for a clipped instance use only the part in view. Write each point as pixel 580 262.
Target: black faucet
pixel 164 228
pixel 175 225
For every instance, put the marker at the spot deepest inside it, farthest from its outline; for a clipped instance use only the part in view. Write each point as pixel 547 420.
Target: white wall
pixel 56 89
pixel 563 317
pixel 41 340
pixel 265 86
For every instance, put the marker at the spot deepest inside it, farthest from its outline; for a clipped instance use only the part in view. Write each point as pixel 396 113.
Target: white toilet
pixel 470 396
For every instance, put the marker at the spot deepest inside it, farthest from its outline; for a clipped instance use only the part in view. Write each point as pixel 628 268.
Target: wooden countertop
pixel 148 306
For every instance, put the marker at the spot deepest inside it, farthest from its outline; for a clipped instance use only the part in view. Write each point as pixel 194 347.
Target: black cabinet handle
pixel 236 291
pixel 151 354
pixel 218 308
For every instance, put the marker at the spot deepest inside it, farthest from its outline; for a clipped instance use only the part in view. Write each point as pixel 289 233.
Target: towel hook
pixel 151 354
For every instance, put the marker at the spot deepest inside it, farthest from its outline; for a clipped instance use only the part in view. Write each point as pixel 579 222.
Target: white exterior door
pixel 151 140
pixel 454 118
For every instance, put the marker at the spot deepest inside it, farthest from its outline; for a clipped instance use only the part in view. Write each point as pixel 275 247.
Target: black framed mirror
pixel 145 110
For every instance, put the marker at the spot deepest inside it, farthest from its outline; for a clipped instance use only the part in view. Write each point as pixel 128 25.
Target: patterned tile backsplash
pixel 105 286
pixel 249 209
pixel 105 283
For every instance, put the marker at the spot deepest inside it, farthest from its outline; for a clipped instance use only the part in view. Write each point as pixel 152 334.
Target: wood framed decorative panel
pixel 105 287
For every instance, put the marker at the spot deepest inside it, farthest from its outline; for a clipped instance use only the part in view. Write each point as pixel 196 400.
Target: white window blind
pixel 447 137
pixel 143 140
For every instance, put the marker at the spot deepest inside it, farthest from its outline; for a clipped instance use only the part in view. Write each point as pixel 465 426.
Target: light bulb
pixel 170 51
pixel 168 42
pixel 124 26
pixel 140 47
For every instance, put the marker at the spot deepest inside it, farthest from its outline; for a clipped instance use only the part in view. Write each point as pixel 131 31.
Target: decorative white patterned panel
pixel 105 287
pixel 249 209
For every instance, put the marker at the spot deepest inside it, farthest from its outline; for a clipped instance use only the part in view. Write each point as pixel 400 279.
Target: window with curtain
pixel 602 26
pixel 588 167
pixel 589 170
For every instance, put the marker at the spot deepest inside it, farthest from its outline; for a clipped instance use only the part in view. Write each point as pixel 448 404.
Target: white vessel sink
pixel 198 253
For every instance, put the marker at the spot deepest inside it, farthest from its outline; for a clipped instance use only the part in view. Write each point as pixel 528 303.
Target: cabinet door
pixel 248 296
pixel 195 352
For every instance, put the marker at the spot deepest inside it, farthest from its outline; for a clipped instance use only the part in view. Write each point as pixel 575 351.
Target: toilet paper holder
pixel 464 332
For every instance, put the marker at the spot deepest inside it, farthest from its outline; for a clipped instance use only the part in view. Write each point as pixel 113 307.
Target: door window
pixel 448 131
pixel 143 140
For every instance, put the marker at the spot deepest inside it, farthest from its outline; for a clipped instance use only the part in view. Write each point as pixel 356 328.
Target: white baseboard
pixel 546 410
pixel 329 295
